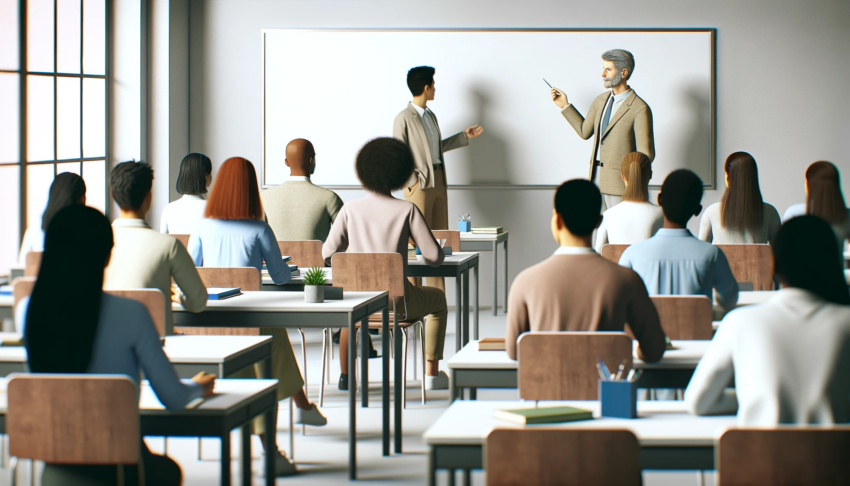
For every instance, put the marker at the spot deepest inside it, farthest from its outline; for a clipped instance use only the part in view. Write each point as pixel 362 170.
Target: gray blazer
pixel 408 128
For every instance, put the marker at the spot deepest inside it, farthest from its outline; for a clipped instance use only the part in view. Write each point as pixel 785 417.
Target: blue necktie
pixel 607 117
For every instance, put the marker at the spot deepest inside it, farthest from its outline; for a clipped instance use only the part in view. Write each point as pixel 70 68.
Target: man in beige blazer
pixel 417 126
pixel 619 121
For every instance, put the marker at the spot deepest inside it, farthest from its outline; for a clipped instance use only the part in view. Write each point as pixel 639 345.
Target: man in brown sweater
pixel 576 289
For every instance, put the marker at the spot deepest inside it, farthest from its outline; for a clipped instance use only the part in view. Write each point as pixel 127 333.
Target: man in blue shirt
pixel 674 262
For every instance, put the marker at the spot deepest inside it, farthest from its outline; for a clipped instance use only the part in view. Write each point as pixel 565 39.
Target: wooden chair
pixel 305 254
pixel 21 287
pixel 783 456
pixel 182 239
pixel 751 264
pixel 551 456
pixel 612 253
pixel 74 419
pixel 452 238
pixel 562 365
pixel 370 272
pixel 32 264
pixel 685 317
pixel 246 278
pixel 154 302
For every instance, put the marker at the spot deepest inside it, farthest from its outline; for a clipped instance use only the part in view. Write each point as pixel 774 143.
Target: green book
pixel 543 415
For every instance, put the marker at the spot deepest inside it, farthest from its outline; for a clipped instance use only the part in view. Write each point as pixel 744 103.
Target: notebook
pixel 6 290
pixel 543 415
pixel 221 293
pixel 487 230
pixel 491 344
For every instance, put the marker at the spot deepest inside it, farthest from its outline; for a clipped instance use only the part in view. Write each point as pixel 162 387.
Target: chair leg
pixel 422 356
pixel 404 368
pixel 356 348
pixel 414 355
pixel 13 471
pixel 304 359
pixel 330 354
pixel 324 367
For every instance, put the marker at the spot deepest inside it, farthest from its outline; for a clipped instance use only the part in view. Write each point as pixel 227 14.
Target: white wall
pixel 781 71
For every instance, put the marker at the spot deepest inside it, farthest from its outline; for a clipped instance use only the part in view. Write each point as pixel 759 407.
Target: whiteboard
pixel 341 88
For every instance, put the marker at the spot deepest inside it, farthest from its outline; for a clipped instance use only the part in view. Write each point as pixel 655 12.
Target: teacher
pixel 619 120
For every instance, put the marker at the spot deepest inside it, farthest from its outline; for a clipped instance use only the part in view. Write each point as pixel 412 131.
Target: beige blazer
pixel 629 130
pixel 408 128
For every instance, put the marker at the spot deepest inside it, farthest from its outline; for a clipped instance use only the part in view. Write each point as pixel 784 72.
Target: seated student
pixel 742 216
pixel 67 189
pixel 673 262
pixel 143 258
pixel 635 219
pixel 233 234
pixel 825 200
pixel 789 357
pixel 181 216
pixel 605 299
pixel 80 329
pixel 297 209
pixel 380 223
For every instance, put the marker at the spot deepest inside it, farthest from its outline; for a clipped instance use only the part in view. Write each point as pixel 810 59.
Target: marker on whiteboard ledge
pixel 547 84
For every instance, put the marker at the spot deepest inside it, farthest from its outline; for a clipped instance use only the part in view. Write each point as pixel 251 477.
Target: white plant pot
pixel 314 294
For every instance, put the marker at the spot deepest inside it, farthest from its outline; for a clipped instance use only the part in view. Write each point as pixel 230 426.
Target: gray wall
pixel 781 72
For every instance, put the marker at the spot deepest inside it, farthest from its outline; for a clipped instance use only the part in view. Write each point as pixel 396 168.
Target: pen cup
pixel 618 399
pixel 464 226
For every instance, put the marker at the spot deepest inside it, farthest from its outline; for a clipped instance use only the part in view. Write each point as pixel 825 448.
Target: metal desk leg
pixel 270 420
pixel 475 303
pixel 246 454
pixel 225 457
pixel 397 378
pixel 495 279
pixel 458 312
pixel 466 479
pixel 473 393
pixel 385 381
pixel 352 401
pixel 432 468
pixel 506 276
pixel 452 388
pixel 465 278
pixel 365 339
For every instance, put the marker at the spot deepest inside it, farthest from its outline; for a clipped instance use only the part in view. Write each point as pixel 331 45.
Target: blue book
pixel 221 293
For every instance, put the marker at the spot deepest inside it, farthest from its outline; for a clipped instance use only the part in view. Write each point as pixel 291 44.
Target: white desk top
pixel 482 237
pixel 455 259
pixel 6 300
pixel 259 301
pixel 686 355
pixel 659 423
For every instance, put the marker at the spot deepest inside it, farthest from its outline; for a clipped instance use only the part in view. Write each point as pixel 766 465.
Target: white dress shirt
pixel 33 241
pixel 431 133
pixel 181 216
pixel 628 223
pixel 574 250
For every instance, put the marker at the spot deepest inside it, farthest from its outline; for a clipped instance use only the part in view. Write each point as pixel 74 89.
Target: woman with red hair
pixel 233 234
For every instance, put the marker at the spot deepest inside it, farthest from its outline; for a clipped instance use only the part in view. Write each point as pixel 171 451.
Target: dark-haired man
pixel 674 262
pixel 576 289
pixel 417 126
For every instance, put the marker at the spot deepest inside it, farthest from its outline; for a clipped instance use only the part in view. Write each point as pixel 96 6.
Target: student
pixel 298 209
pixel 673 262
pixel 380 223
pixel 825 200
pixel 67 189
pixel 741 217
pixel 80 329
pixel 608 297
pixel 143 258
pixel 181 216
pixel 635 219
pixel 233 234
pixel 790 357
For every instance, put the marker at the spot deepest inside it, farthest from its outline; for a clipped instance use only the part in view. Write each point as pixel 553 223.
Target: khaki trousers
pixel 430 303
pixel 434 205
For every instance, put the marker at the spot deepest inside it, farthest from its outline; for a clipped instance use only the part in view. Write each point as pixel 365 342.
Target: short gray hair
pixel 622 59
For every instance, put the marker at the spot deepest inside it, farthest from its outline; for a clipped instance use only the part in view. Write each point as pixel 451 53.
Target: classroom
pixel 239 246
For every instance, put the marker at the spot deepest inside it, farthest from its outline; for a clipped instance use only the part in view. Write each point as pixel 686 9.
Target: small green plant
pixel 315 276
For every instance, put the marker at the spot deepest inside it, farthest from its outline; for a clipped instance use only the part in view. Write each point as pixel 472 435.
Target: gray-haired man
pixel 619 120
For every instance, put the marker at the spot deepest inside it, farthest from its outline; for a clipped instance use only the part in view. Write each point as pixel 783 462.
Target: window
pixel 52 108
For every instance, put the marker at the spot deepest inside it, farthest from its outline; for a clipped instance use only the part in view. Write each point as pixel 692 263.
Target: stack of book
pixel 543 415
pixel 487 230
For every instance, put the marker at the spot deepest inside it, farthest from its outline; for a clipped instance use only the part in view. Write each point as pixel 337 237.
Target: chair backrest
pixel 32 264
pixel 305 254
pixel 182 239
pixel 562 457
pixel 783 456
pixel 612 253
pixel 21 287
pixel 73 419
pixel 369 272
pixel 562 365
pixel 452 238
pixel 152 299
pixel 246 278
pixel 685 317
pixel 751 263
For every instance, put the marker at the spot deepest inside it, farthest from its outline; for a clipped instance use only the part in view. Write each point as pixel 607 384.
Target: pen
pixel 605 369
pixel 601 373
pixel 547 84
pixel 637 375
pixel 620 370
pixel 631 375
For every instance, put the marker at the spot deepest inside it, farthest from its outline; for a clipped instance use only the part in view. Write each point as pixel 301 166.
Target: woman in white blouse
pixel 67 189
pixel 635 219
pixel 825 200
pixel 181 216
pixel 789 358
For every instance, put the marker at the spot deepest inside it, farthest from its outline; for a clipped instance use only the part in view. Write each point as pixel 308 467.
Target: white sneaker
pixel 310 417
pixel 439 382
pixel 283 466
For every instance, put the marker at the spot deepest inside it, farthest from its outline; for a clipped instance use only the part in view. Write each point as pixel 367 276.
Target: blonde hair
pixel 637 170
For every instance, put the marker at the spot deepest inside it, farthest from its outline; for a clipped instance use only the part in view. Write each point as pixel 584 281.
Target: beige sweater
pixel 577 290
pixel 299 210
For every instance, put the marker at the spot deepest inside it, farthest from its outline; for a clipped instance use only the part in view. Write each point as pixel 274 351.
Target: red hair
pixel 235 194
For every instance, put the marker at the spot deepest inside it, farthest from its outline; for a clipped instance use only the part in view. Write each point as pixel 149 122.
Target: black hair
pixel 192 178
pixel 384 164
pixel 681 195
pixel 806 255
pixel 418 78
pixel 129 183
pixel 62 319
pixel 67 189
pixel 578 202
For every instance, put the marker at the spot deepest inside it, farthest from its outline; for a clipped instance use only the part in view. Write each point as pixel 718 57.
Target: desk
pixel 235 404
pixel 669 437
pixel 476 242
pixel 16 270
pixel 295 284
pixel 288 309
pixel 473 369
pixel 455 266
pixel 6 310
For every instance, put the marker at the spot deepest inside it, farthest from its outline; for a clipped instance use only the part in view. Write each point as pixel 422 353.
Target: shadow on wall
pixel 697 150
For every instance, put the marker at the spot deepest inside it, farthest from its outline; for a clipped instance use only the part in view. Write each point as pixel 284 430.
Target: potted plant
pixel 314 285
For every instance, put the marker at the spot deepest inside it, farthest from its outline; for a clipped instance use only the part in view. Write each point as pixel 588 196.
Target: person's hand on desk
pixel 559 98
pixel 473 131
pixel 175 294
pixel 206 381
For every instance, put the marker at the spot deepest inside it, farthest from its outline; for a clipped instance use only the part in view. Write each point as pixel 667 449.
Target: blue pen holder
pixel 618 399
pixel 464 226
